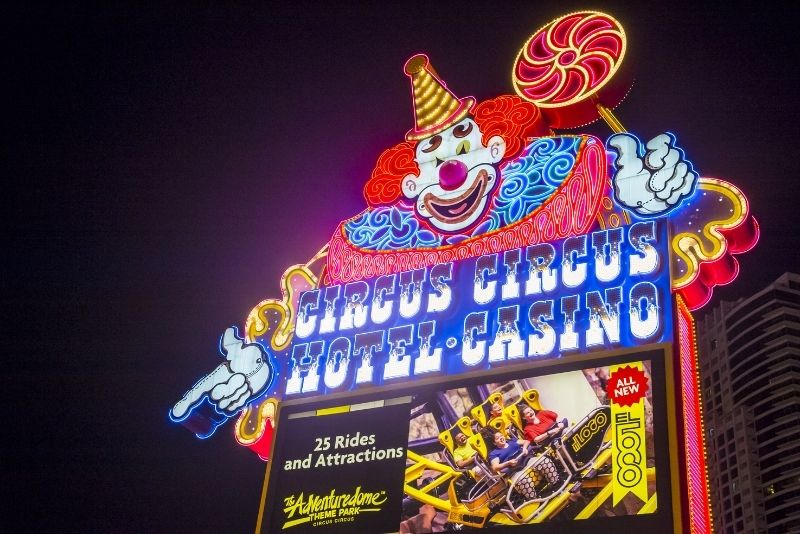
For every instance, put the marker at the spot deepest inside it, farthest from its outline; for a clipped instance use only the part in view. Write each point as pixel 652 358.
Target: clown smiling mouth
pixel 458 209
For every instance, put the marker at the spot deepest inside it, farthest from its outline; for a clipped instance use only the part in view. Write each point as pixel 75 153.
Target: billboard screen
pixel 580 444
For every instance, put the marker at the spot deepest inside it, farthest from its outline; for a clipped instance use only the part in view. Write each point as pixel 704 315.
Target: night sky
pixel 165 165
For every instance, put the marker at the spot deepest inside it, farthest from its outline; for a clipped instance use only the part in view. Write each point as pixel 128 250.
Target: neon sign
pixel 489 239
pixel 603 290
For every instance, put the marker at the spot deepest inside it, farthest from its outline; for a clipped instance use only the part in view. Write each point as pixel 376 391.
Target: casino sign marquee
pixel 493 245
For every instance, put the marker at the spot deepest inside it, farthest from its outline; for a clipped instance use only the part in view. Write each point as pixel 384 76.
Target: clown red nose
pixel 452 174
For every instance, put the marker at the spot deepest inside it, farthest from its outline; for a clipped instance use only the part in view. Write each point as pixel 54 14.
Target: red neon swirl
pixel 511 118
pixel 383 187
pixel 569 58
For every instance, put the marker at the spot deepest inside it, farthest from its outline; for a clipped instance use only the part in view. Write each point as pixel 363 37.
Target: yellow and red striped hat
pixel 436 108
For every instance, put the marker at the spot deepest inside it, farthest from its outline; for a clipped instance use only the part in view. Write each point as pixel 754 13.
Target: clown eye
pixel 462 130
pixel 435 141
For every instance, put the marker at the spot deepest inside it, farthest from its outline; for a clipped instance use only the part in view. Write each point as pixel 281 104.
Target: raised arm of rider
pixel 496 466
pixel 465 462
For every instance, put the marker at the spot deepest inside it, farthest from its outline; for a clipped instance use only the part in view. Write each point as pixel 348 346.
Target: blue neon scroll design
pixel 532 178
pixel 390 228
pixel 525 184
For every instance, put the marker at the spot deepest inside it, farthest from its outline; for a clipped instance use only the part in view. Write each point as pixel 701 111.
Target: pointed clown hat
pixel 436 108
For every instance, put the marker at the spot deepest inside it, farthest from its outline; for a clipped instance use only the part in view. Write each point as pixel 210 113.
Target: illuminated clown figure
pixel 448 167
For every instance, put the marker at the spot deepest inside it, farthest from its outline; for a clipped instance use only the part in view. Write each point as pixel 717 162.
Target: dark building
pixel 750 369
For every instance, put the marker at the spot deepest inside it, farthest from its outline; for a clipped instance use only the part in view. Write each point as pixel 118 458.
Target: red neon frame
pixel 697 513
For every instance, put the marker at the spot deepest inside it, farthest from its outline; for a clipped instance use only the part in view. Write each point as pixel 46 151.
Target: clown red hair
pixel 510 117
pixel 383 187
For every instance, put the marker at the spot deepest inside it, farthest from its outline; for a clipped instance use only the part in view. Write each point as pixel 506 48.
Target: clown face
pixel 457 174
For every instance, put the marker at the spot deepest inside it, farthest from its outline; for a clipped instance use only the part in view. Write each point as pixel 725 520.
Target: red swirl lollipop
pixel 568 68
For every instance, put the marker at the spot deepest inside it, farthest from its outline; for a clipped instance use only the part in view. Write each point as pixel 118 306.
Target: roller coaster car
pixel 476 491
pixel 490 489
pixel 513 412
pixel 580 453
pixel 448 440
pixel 482 413
pixel 538 490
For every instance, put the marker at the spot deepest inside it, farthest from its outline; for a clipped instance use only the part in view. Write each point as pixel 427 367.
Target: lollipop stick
pixel 609 217
pixel 319 255
pixel 611 119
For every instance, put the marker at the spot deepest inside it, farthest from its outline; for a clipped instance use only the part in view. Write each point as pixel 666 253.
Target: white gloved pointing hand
pixel 655 183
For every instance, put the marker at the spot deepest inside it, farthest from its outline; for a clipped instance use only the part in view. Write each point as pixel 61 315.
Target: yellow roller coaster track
pixel 440 484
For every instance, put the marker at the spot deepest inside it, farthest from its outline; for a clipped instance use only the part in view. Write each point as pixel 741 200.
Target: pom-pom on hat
pixel 436 108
